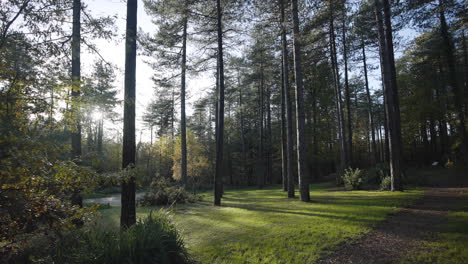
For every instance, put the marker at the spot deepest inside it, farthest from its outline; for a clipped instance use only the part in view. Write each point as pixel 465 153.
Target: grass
pixel 263 226
pixel 450 246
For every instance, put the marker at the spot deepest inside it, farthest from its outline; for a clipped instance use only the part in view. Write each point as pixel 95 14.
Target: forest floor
pixel 264 226
pixel 432 230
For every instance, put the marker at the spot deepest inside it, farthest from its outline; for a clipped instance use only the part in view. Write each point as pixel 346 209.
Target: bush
pixel 352 179
pixel 386 184
pixel 151 240
pixel 375 174
pixel 163 193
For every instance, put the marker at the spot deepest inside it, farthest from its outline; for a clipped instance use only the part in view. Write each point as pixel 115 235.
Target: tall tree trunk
pixel 288 103
pixel 465 71
pixel 76 80
pixel 269 167
pixel 183 126
pixel 373 148
pixel 76 198
pixel 128 212
pixel 284 160
pixel 242 133
pixel 100 135
pixel 452 71
pixel 150 152
pixel 391 92
pixel 89 138
pixel 338 102
pixel 302 169
pixel 220 116
pixel 440 94
pixel 261 149
pixel 347 92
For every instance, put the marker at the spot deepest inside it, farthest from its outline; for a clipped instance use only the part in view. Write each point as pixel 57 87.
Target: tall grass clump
pixel 153 239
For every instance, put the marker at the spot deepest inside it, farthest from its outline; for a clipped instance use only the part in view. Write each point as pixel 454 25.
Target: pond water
pixel 112 199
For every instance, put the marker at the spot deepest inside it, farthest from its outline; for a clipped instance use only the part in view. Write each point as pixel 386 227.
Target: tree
pixel 169 46
pixel 76 80
pixel 303 174
pixel 338 100
pixel 287 101
pixel 347 91
pixel 128 210
pixel 390 91
pixel 220 110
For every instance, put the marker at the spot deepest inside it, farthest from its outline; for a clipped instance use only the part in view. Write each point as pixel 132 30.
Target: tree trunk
pixel 347 92
pixel 284 161
pixel 183 126
pixel 452 71
pixel 100 135
pixel 261 150
pixel 339 102
pixel 76 80
pixel 128 212
pixel 242 138
pixel 391 93
pixel 75 93
pixel 373 148
pixel 302 169
pixel 269 167
pixel 288 103
pixel 220 115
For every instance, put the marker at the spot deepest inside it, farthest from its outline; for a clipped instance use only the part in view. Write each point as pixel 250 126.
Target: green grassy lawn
pixel 451 245
pixel 263 226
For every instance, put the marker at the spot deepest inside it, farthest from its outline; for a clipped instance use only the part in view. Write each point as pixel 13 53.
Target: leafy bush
pixel 36 189
pixel 375 174
pixel 386 184
pixel 153 239
pixel 163 193
pixel 352 179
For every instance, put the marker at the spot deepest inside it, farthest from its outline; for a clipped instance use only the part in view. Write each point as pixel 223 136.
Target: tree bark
pixel 261 150
pixel 288 103
pixel 347 92
pixel 391 92
pixel 183 125
pixel 302 169
pixel 269 167
pixel 339 103
pixel 452 71
pixel 128 210
pixel 76 80
pixel 220 115
pixel 242 133
pixel 284 160
pixel 373 148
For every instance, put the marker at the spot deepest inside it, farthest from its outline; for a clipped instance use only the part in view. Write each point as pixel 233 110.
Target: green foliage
pixel 35 191
pixel 352 178
pixel 386 183
pixel 153 239
pixel 197 161
pixel 163 193
pixel 374 175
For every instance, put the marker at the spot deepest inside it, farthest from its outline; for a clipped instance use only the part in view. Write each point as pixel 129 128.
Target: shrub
pixel 386 183
pixel 163 193
pixel 375 174
pixel 352 179
pixel 153 239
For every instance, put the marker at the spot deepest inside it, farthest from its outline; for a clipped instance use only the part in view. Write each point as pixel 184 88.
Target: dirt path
pixel 401 232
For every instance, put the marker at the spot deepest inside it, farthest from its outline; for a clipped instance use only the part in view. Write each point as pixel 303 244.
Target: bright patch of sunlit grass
pixel 264 226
